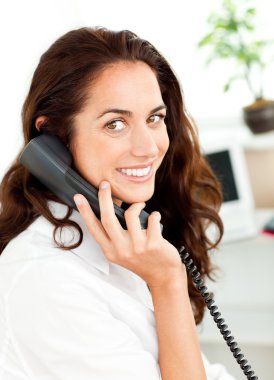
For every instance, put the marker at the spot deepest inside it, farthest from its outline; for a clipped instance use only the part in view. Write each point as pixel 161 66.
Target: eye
pixel 156 118
pixel 115 125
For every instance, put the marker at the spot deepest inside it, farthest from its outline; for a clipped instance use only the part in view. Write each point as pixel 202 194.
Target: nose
pixel 143 143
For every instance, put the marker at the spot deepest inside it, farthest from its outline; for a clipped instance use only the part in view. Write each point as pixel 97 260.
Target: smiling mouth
pixel 140 172
pixel 137 175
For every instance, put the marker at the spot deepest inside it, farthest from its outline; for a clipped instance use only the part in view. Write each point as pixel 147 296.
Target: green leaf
pixel 232 25
pixel 232 79
pixel 251 11
pixel 247 25
pixel 208 39
pixel 226 87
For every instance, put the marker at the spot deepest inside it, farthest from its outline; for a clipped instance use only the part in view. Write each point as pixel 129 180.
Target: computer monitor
pixel 227 161
pixel 220 162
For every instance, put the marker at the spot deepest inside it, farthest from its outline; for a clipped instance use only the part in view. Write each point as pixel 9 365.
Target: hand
pixel 144 252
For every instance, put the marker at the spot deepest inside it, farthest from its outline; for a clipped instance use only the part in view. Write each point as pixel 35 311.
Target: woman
pixel 87 299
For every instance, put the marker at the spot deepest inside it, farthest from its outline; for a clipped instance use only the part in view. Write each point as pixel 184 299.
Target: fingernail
pixel 103 185
pixel 78 199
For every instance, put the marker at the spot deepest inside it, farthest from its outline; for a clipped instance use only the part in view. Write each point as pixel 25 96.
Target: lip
pixel 137 179
pixel 137 166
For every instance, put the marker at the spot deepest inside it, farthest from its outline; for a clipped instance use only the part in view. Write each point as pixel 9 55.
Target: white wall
pixel 28 27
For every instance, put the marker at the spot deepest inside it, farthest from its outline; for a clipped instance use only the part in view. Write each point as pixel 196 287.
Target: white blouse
pixel 67 315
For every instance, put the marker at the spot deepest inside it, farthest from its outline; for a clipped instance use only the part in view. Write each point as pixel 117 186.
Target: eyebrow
pixel 129 113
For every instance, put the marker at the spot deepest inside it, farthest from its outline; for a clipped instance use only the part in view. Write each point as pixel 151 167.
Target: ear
pixel 39 121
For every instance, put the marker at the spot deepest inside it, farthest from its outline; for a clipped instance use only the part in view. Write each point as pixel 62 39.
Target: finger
pixel 93 224
pixel 154 233
pixel 109 220
pixel 133 223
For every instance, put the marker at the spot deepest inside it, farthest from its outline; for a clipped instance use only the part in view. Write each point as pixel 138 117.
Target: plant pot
pixel 259 116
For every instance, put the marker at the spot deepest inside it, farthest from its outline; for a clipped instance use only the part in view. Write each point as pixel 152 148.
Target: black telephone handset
pixel 50 162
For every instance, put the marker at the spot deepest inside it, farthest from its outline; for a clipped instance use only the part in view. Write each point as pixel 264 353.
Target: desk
pixel 244 294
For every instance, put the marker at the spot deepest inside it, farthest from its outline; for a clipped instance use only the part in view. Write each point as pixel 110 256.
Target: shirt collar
pixel 89 250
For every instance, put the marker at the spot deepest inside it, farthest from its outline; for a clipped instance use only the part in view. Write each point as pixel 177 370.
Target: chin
pixel 142 193
pixel 136 199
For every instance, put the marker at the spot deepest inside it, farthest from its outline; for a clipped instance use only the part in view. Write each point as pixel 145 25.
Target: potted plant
pixel 231 36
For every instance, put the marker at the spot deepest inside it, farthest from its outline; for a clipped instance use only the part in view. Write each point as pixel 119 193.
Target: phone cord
pixel 192 269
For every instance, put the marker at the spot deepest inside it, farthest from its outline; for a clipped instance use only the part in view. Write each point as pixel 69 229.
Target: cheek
pixel 85 158
pixel 164 142
pixel 97 159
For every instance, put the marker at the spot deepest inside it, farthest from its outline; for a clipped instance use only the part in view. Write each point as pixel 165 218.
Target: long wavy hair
pixel 187 194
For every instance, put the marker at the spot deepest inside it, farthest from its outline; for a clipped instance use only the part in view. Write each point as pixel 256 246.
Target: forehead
pixel 131 82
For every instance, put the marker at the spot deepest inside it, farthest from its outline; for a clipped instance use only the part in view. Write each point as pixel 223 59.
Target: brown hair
pixel 186 192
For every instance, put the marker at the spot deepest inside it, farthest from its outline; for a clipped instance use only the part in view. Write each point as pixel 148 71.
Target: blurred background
pixel 244 286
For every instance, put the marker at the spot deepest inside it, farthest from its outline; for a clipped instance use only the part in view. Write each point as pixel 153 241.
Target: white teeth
pixel 136 172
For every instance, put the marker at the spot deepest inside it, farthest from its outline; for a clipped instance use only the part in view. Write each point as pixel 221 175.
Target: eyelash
pixel 161 116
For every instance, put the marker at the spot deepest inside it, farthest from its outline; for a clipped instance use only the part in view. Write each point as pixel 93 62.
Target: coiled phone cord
pixel 192 269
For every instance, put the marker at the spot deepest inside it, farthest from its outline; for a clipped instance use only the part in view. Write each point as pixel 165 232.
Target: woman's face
pixel 122 127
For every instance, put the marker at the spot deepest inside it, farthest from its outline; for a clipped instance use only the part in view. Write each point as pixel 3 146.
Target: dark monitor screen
pixel 220 163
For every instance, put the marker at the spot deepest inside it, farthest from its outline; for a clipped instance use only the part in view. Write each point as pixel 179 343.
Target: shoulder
pixel 32 259
pixel 33 243
pixel 37 240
